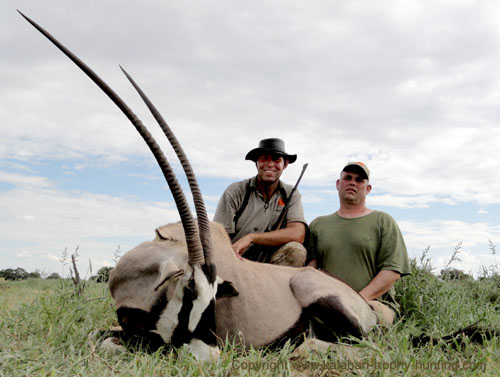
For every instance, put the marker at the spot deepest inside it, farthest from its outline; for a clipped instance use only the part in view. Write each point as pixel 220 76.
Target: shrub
pixel 11 274
pixel 54 275
pixel 102 275
pixel 34 275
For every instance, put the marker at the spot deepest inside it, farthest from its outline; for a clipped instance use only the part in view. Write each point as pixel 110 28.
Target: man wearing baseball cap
pixel 361 246
pixel 249 210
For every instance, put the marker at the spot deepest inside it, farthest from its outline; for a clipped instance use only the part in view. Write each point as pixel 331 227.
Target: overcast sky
pixel 412 88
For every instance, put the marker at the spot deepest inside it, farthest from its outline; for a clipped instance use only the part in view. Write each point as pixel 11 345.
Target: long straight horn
pixel 201 212
pixel 190 230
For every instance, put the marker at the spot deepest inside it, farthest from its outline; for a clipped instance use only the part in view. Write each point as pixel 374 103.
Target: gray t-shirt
pixel 258 215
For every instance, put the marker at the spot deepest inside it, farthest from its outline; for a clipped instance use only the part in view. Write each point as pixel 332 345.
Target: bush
pixel 454 274
pixel 53 275
pixel 102 275
pixel 11 274
pixel 34 275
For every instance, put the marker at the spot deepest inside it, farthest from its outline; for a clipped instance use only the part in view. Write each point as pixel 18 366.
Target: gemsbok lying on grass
pixel 189 287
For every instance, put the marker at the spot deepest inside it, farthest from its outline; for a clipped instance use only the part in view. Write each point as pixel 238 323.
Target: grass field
pixel 46 331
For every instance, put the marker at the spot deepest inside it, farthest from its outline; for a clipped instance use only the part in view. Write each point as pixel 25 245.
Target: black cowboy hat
pixel 270 146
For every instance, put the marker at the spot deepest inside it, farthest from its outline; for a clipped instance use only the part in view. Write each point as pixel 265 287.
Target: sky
pixel 411 88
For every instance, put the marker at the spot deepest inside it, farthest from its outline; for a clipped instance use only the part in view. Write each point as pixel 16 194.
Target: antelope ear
pixel 225 289
pixel 169 272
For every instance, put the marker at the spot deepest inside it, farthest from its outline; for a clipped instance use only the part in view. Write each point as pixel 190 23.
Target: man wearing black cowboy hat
pixel 249 210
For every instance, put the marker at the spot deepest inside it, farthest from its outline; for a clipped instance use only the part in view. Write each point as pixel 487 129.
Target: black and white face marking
pixel 189 316
pixel 183 312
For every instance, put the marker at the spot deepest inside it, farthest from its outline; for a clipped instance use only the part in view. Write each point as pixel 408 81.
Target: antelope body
pixel 274 303
pixel 169 286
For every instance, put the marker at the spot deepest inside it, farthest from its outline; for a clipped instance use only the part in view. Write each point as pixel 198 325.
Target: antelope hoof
pixel 112 346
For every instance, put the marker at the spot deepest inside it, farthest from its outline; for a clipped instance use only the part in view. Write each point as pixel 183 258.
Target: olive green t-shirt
pixel 357 249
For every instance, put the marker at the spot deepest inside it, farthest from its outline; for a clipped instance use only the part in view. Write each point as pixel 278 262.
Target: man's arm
pixel 226 209
pixel 294 231
pixel 380 284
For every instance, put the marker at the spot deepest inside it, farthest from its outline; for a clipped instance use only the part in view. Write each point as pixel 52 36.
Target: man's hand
pixel 242 244
pixel 294 231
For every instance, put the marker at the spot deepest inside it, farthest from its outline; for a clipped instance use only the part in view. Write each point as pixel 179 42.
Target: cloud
pixel 98 223
pixel 23 254
pixel 410 88
pixel 26 218
pixel 24 180
pixel 62 215
pixel 438 233
pixel 50 257
pixel 443 237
